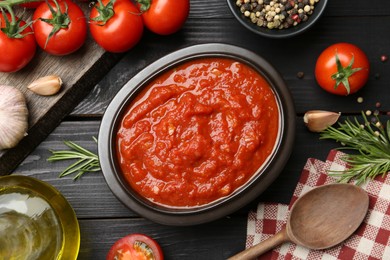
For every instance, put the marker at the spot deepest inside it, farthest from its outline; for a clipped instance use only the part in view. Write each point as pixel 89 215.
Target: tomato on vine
pixel 342 69
pixel 17 41
pixel 60 28
pixel 116 25
pixel 164 17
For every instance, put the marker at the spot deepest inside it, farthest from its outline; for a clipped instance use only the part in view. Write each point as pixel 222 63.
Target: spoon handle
pixel 262 247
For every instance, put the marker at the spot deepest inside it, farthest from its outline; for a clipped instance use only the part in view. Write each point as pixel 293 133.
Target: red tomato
pixel 122 31
pixel 342 69
pixel 65 40
pixel 16 52
pixel 164 16
pixel 32 5
pixel 135 247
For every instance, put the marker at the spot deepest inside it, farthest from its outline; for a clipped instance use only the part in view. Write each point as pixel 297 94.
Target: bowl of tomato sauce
pixel 197 134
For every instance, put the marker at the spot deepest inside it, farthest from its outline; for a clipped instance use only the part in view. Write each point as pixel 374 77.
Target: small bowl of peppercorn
pixel 277 18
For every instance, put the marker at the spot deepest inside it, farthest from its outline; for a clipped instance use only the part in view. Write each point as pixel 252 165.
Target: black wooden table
pixel 103 219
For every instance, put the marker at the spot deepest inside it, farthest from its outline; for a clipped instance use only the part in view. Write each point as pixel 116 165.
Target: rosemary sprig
pixel 87 161
pixel 371 143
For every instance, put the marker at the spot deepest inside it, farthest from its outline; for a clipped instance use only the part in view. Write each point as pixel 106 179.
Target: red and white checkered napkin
pixel 370 241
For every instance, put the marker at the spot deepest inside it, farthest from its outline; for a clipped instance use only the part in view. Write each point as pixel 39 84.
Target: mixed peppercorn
pixel 277 14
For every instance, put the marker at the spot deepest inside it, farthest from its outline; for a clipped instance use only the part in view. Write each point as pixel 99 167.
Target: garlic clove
pixel 13 116
pixel 46 86
pixel 319 120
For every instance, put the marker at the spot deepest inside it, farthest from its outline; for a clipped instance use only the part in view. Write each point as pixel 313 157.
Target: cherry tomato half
pixel 135 247
pixel 165 17
pixel 342 69
pixel 120 32
pixel 16 52
pixel 65 40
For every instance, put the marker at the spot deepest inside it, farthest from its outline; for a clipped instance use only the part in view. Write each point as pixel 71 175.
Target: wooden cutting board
pixel 79 71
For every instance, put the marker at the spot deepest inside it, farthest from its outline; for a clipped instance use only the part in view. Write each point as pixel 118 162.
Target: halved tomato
pixel 135 247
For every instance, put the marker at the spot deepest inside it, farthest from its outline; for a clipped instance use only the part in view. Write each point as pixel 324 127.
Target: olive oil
pixel 29 227
pixel 36 221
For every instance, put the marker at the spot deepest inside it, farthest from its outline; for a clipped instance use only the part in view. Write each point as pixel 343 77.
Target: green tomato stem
pixel 5 3
pixel 343 73
pixel 13 25
pixel 13 28
pixel 60 20
pixel 106 12
pixel 11 12
pixel 145 4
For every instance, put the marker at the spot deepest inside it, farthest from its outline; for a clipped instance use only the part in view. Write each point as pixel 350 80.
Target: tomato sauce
pixel 198 132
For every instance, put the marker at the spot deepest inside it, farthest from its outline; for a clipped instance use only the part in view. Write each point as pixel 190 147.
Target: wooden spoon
pixel 321 218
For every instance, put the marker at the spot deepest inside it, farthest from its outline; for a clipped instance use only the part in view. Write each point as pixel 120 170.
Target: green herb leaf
pixel 371 143
pixel 87 161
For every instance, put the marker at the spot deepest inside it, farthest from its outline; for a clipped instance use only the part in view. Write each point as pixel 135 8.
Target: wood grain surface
pixel 103 219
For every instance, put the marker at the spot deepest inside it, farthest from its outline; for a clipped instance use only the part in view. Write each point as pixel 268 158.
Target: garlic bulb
pixel 13 116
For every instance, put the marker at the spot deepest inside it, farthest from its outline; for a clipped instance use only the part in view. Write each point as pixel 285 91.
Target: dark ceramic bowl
pixel 277 33
pixel 248 192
